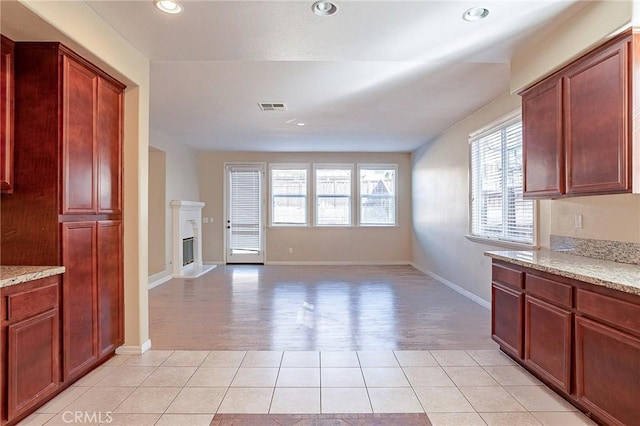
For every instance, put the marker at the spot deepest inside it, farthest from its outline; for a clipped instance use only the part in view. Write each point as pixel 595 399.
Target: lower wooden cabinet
pixel 548 341
pixel 79 298
pixel 30 330
pixel 506 319
pixel 580 339
pixel 109 286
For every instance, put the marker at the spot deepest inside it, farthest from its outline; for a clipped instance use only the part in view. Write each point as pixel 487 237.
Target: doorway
pixel 245 213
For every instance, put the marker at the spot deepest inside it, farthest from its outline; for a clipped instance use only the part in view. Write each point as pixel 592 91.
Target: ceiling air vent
pixel 272 106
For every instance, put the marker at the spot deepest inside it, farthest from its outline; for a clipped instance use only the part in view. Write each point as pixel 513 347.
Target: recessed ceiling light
pixel 168 6
pixel 475 14
pixel 324 8
pixel 300 124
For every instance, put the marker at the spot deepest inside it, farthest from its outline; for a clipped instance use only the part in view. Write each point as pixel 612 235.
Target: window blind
pixel 245 210
pixel 498 210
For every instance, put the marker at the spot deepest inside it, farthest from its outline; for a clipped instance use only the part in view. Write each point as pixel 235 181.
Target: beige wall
pixel 604 217
pixel 310 244
pixel 78 26
pixel 441 204
pixel 157 211
pixel 551 49
pixel 180 183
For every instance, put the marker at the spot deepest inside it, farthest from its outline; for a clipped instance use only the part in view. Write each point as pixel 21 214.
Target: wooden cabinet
pixel 547 330
pixel 507 307
pixel 607 372
pixel 597 128
pixel 543 146
pixel 6 114
pixel 79 298
pixel 577 126
pixel 67 207
pixel 30 330
pixel 580 339
pixel 109 286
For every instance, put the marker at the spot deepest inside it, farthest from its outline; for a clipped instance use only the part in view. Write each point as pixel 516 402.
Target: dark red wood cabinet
pixel 6 114
pixel 30 331
pixel 66 207
pixel 507 307
pixel 581 340
pixel 543 145
pixel 577 125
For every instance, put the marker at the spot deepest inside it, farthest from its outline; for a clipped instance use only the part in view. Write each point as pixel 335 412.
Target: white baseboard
pixel 134 350
pixel 340 263
pixel 160 278
pixel 466 293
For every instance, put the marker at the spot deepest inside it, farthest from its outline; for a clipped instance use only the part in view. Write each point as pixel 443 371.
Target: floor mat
pixel 418 419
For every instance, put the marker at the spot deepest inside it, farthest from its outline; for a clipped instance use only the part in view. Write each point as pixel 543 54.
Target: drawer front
pixel 549 290
pixel 507 276
pixel 31 302
pixel 619 313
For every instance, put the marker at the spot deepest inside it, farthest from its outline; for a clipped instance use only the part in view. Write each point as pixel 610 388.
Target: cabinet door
pixel 542 140
pixel 79 298
pixel 607 372
pixel 596 105
pixel 110 291
pixel 79 135
pixel 6 115
pixel 547 339
pixel 32 362
pixel 109 142
pixel 506 319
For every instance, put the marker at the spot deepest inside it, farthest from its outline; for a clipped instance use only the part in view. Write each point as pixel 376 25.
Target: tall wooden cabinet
pixel 66 208
pixel 577 125
pixel 6 114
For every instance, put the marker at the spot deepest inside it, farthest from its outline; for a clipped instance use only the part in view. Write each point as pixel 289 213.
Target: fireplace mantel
pixel 187 223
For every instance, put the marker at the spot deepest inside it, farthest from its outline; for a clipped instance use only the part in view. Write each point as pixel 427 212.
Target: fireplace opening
pixel 187 251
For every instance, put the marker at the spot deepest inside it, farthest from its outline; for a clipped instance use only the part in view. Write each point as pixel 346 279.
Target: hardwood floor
pixel 255 307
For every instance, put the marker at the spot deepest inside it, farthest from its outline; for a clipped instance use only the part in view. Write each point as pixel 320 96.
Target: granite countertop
pixel 619 276
pixel 11 275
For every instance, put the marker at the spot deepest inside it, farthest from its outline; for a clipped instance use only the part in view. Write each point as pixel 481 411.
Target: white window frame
pixel 376 166
pixel 492 127
pixel 290 166
pixel 333 166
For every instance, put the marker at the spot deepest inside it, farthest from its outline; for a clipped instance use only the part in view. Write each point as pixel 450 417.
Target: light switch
pixel 205 220
pixel 578 221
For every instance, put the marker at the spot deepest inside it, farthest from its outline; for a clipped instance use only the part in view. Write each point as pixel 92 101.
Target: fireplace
pixel 187 240
pixel 187 251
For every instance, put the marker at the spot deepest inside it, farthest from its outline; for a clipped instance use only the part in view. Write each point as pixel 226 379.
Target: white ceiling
pixel 377 76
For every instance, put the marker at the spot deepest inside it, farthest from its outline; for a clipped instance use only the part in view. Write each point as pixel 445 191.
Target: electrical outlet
pixel 578 221
pixel 290 250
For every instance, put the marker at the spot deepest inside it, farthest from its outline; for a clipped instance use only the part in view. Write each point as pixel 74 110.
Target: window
pixel 377 191
pixel 333 195
pixel 497 208
pixel 289 194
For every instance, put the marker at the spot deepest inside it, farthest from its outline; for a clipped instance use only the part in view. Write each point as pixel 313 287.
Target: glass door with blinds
pixel 245 213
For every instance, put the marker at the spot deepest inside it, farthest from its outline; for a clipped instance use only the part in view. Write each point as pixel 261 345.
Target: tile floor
pixel 453 387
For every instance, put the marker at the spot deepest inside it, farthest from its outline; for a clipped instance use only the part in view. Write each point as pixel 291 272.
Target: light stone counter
pixel 619 276
pixel 11 275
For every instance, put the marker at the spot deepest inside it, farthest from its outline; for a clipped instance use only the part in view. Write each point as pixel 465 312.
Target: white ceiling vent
pixel 272 106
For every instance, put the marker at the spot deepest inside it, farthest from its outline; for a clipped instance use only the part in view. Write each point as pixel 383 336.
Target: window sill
pixel 501 243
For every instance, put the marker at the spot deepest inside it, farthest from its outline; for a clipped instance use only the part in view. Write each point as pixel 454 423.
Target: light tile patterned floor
pixel 480 387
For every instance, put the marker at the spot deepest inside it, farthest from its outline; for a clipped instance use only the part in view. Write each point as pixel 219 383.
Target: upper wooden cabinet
pixel 543 146
pixel 6 115
pixel 577 126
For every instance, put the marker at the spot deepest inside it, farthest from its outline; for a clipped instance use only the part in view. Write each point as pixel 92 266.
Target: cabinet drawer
pixel 619 313
pixel 549 290
pixel 33 301
pixel 507 276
